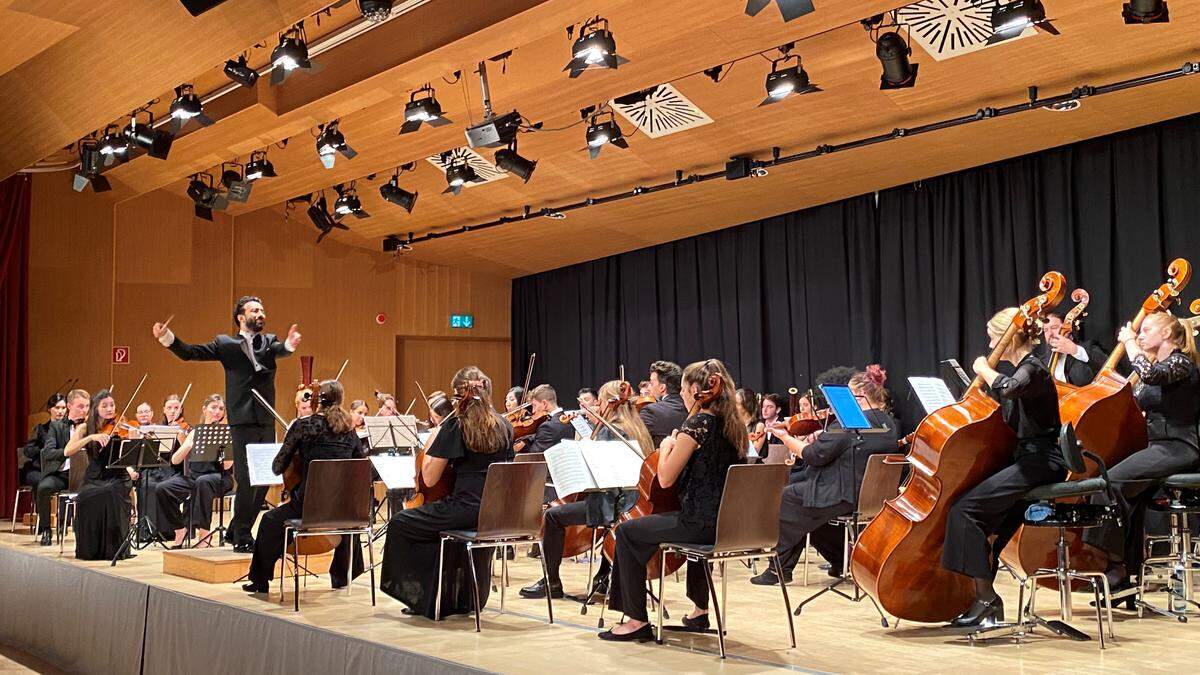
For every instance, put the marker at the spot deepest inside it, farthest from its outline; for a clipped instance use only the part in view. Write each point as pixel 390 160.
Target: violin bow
pixel 410 405
pixel 341 370
pixel 183 399
pixel 133 396
pixel 528 377
pixel 613 430
pixel 269 408
pixel 423 396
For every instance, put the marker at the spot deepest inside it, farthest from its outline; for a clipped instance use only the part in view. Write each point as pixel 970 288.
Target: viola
pixel 897 559
pixel 643 401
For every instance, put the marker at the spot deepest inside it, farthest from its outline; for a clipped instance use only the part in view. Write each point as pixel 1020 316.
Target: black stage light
pixel 113 146
pixel 394 244
pixel 206 197
pixel 240 72
pixel 348 204
pixel 783 82
pixel 331 141
pixel 1010 19
pixel 422 108
pixel 233 177
pixel 91 163
pixel 508 161
pixel 187 106
pixel 375 10
pixel 259 166
pixel 290 54
pixel 604 133
pixel 1145 11
pixel 394 194
pixel 198 7
pixel 458 174
pixel 318 213
pixel 790 9
pixel 595 48
pixel 893 51
pixel 156 142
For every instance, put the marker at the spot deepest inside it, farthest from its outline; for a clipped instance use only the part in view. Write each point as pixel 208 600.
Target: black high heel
pixel 980 613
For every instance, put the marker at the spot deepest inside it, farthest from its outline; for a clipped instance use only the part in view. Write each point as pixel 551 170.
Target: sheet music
pixel 611 463
pixel 932 392
pixel 399 431
pixel 259 457
pixel 396 471
pixel 169 431
pixel 581 426
pixel 568 469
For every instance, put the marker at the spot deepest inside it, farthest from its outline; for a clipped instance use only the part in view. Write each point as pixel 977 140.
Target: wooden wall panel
pixel 433 361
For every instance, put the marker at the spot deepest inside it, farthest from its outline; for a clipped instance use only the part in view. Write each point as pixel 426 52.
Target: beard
pixel 256 324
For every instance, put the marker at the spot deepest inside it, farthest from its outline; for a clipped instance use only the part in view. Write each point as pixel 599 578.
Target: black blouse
pixel 470 467
pixel 1030 404
pixel 99 457
pixel 312 438
pixel 1169 393
pixel 703 478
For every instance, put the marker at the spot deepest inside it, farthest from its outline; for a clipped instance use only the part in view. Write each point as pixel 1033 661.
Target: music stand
pixel 140 454
pixel 391 436
pixel 210 443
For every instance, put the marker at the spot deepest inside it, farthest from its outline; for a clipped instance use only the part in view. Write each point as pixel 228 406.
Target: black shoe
pixel 253 587
pixel 643 634
pixel 534 552
pixel 1122 594
pixel 981 612
pixel 47 538
pixel 600 588
pixel 538 590
pixel 408 611
pixel 699 624
pixel 768 578
pixel 243 548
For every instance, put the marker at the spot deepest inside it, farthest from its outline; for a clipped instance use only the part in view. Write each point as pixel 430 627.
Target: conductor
pixel 249 361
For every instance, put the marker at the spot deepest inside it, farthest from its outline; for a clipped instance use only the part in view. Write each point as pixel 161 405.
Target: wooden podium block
pixel 223 565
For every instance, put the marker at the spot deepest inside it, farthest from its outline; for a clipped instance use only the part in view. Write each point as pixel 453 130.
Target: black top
pixel 550 433
pixel 99 456
pixel 1169 393
pixel 470 467
pixel 38 437
pixel 313 439
pixel 834 475
pixel 1078 373
pixel 664 417
pixel 703 478
pixel 1030 405
pixel 197 469
pixel 57 436
pixel 241 374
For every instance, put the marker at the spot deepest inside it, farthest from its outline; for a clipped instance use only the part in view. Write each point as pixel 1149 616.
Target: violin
pixel 643 401
pixel 802 421
pixel 526 425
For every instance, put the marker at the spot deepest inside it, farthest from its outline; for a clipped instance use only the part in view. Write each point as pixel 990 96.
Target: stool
pixel 24 489
pixel 1181 563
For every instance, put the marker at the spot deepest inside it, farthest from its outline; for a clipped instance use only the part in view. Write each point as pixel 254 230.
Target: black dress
pixel 410 554
pixel 102 506
pixel 699 486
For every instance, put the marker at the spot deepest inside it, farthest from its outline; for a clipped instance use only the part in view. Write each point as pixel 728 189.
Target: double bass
pixel 1070 324
pixel 897 559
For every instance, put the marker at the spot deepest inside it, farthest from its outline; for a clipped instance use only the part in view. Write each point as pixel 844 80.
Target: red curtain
pixel 14 348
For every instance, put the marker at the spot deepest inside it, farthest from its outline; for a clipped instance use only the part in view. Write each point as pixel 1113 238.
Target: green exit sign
pixel 462 321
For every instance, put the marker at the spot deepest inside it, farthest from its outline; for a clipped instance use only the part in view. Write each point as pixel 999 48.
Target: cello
pixel 1109 423
pixel 897 559
pixel 424 493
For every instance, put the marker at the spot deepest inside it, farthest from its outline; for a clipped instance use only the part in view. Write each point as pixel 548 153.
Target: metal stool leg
pixel 437 603
pixel 662 566
pixel 371 559
pixel 787 605
pixel 712 590
pixel 474 586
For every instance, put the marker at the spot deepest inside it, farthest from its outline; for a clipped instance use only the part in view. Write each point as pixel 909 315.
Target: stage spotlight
pixel 375 10
pixel 394 194
pixel 783 82
pixel 394 244
pixel 187 106
pixel 259 166
pixel 348 203
pixel 331 141
pixel 113 146
pixel 205 197
pixel 318 213
pixel 241 73
pixel 233 177
pixel 156 142
pixel 290 54
pixel 595 48
pixel 1012 18
pixel 458 174
pixel 790 9
pixel 893 52
pixel 422 108
pixel 1145 11
pixel 91 163
pixel 508 161
pixel 604 133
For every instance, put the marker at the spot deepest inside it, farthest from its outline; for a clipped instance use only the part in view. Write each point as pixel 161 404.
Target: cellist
pixel 1163 355
pixel 994 506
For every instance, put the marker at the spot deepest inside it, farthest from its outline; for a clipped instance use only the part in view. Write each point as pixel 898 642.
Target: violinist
pixel 664 416
pixel 304 406
pixel 358 419
pixel 102 518
pixel 645 388
pixel 468 441
pixel 439 408
pixel 836 463
pixel 756 429
pixel 771 411
pixel 54 462
pixel 995 506
pixel 144 414
pixel 553 430
pixel 1163 355
pixel 147 500
pixel 512 400
pixel 387 405
pixel 1078 363
pixel 697 458
pixel 203 481
pixel 327 434
pixel 622 415
pixel 31 473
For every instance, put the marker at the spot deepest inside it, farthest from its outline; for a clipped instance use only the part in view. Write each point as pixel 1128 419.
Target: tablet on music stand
pixel 844 405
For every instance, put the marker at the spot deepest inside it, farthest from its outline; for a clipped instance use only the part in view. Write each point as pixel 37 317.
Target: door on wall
pixel 433 361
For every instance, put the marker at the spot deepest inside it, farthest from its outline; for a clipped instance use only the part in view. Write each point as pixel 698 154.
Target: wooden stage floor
pixel 833 635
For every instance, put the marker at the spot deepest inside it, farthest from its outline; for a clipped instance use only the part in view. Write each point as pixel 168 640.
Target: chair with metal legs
pixel 23 490
pixel 1179 566
pixel 747 529
pixel 337 502
pixel 510 514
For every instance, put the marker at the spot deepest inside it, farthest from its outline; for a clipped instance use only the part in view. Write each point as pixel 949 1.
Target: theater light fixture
pixel 422 108
pixel 394 194
pixel 187 106
pixel 790 9
pixel 331 141
pixel 459 173
pixel 601 132
pixel 892 51
pixel 205 196
pixel 156 142
pixel 318 213
pixel 783 81
pixel 240 72
pixel 290 54
pixel 259 166
pixel 1010 19
pixel 113 145
pixel 1145 11
pixel 595 48
pixel 348 203
pixel 91 163
pixel 375 10
pixel 508 161
pixel 233 177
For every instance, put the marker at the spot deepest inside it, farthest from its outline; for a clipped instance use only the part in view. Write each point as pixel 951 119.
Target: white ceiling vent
pixel 486 170
pixel 949 28
pixel 660 111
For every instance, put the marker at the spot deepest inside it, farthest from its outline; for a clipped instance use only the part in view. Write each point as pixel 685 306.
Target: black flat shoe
pixel 768 578
pixel 980 613
pixel 643 634
pixel 699 624
pixel 255 588
pixel 47 538
pixel 538 590
pixel 408 611
pixel 243 548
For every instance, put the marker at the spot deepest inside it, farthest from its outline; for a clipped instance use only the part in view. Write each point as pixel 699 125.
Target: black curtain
pixel 905 277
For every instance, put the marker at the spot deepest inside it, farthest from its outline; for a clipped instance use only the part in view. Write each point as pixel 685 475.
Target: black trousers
pixel 1123 541
pixel 268 548
pixel 147 502
pixel 248 500
pixel 995 506
pixel 46 487
pixel 172 497
pixel 797 521
pixel 29 475
pixel 637 544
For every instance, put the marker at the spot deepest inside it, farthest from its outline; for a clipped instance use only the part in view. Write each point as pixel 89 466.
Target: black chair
pixel 1065 506
pixel 747 529
pixel 1179 566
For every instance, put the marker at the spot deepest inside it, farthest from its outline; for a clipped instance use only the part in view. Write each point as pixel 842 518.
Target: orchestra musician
pixel 144 414
pixel 829 488
pixel 748 407
pixel 1163 355
pixel 202 481
pixel 155 476
pixel 468 442
pixel 1078 363
pixel 512 400
pixel 995 506
pixel 248 359
pixel 697 458
pixel 31 472
pixel 772 411
pixel 553 431
pixel 358 420
pixel 54 463
pixel 102 504
pixel 645 388
pixel 387 405
pixel 326 434
pixel 304 406
pixel 668 412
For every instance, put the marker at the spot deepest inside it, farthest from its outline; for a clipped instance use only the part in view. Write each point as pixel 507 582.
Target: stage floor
pixel 833 635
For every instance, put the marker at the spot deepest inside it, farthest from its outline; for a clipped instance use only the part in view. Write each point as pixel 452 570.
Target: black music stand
pixel 139 454
pixel 395 435
pixel 210 443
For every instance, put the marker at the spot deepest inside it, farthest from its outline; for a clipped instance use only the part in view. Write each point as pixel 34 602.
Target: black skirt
pixel 410 571
pixel 101 518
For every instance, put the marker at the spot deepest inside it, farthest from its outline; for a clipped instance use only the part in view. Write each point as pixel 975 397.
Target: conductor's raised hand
pixel 293 337
pixel 159 330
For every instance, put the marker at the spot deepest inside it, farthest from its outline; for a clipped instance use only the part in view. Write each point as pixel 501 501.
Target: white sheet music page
pixel 396 471
pixel 581 426
pixel 612 463
pixel 568 469
pixel 932 392
pixel 259 457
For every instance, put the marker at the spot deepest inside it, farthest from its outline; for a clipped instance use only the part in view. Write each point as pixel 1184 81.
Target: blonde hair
pixel 625 417
pixel 1181 332
pixel 482 429
pixel 998 325
pixel 724 406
